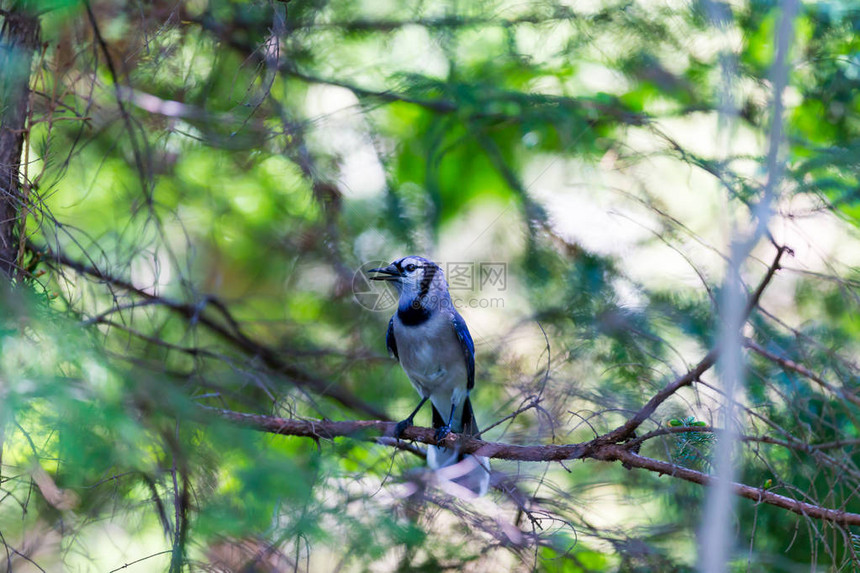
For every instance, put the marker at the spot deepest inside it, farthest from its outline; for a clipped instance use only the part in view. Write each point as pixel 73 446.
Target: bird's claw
pixel 401 427
pixel 442 433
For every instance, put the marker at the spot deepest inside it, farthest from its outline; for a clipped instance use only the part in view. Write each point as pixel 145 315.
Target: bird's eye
pixel 410 267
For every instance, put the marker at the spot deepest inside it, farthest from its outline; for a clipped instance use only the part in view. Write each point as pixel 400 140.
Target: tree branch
pixel 19 38
pixel 787 364
pixel 441 105
pixel 759 495
pixel 625 431
pixel 230 333
pixel 323 429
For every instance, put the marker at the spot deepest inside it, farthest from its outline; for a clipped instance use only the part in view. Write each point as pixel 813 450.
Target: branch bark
pixel 609 452
pixel 19 38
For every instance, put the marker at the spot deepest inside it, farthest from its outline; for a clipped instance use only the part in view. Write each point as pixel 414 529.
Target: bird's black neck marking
pixel 424 287
pixel 413 314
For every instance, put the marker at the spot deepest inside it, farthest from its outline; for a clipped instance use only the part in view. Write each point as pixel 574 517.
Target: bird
pixel 434 347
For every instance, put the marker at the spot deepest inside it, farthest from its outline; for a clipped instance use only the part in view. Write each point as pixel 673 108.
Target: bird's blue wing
pixel 390 342
pixel 468 348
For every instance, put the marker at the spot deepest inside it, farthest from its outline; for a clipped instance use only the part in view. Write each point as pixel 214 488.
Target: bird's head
pixel 413 277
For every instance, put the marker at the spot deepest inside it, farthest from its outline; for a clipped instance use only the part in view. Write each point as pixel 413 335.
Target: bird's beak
pixel 389 273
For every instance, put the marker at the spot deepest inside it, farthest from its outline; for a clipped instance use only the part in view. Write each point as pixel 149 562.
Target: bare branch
pixel 625 431
pixel 323 429
pixel 232 334
pixel 802 370
pixel 760 495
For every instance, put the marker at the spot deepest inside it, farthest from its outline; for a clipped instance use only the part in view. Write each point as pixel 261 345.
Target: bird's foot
pixel 442 433
pixel 401 427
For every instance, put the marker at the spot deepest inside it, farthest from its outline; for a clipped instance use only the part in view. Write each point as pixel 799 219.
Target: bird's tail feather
pixel 465 425
pixel 476 476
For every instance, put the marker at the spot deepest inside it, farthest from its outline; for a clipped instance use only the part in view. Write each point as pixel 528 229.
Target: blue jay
pixel 433 345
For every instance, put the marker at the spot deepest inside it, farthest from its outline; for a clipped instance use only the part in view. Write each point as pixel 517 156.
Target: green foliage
pixel 578 560
pixel 205 185
pixel 693 448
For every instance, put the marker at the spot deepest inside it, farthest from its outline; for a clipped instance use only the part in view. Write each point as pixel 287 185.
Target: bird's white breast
pixel 433 358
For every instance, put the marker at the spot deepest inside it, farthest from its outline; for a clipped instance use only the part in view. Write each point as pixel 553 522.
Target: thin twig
pixel 231 333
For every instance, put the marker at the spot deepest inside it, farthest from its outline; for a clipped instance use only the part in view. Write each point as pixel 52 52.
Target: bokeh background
pixel 202 183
